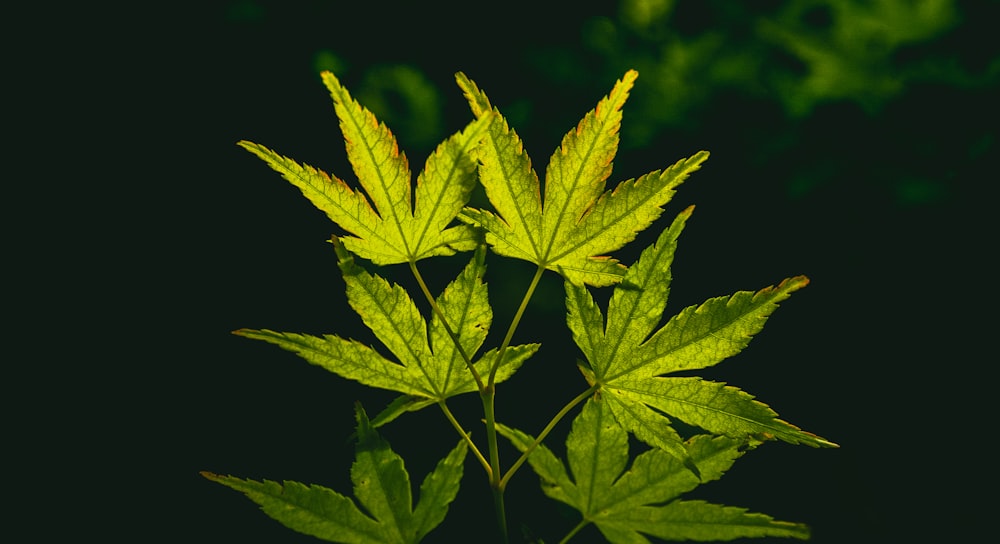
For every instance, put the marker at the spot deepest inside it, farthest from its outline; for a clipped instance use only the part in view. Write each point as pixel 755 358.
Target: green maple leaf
pixel 628 359
pixel 381 486
pixel 626 505
pixel 400 228
pixel 577 222
pixel 430 367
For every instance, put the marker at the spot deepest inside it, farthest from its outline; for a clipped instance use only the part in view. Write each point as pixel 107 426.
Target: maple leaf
pixel 430 368
pixel 577 222
pixel 381 486
pixel 627 358
pixel 401 228
pixel 624 505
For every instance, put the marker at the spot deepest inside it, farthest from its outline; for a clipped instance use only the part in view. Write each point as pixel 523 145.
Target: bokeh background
pixel 850 142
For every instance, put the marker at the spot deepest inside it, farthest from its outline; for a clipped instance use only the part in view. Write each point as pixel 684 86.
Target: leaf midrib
pixel 645 346
pixel 422 234
pixel 660 254
pixel 409 347
pixel 571 248
pixel 309 181
pixel 397 222
pixel 559 222
pixel 778 431
pixel 502 164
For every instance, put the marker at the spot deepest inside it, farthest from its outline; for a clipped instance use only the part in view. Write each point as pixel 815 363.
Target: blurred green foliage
pixel 787 58
pixel 403 93
pixel 799 53
pixel 798 86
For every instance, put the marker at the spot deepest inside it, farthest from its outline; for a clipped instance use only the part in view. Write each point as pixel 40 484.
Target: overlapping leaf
pixel 381 486
pixel 569 226
pixel 399 228
pixel 577 222
pixel 428 368
pixel 644 500
pixel 628 359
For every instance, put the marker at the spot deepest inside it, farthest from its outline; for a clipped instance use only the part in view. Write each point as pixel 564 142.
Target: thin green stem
pixel 491 433
pixel 488 394
pixel 545 432
pixel 447 327
pixel 465 435
pixel 501 514
pixel 514 323
pixel 488 397
pixel 583 523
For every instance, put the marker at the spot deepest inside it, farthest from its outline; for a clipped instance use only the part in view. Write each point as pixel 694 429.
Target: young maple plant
pixel 568 227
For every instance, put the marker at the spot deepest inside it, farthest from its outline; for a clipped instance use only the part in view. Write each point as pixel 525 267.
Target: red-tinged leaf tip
pixel 795 282
pixel 788 284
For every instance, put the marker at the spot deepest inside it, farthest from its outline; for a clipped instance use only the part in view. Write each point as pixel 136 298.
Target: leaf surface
pixel 401 227
pixel 572 225
pixel 643 500
pixel 381 486
pixel 428 366
pixel 628 356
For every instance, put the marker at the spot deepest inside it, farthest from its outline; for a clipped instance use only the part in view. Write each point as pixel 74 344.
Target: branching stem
pixel 487 391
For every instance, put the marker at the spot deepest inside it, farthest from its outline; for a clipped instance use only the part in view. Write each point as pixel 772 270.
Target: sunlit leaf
pixel 575 223
pixel 428 366
pixel 628 359
pixel 402 226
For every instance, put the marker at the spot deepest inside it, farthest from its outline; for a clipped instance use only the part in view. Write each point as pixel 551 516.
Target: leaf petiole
pixel 515 322
pixel 548 428
pixel 579 526
pixel 465 436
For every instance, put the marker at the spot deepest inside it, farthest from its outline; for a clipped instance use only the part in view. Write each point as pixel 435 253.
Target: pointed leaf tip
pixel 573 226
pixel 390 219
pixel 361 417
pixel 478 102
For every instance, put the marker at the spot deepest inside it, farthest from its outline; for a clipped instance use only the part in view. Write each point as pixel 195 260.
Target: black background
pixel 142 235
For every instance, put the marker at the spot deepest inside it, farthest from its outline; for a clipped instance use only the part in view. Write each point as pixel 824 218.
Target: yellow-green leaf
pixel 629 360
pixel 428 366
pixel 573 223
pixel 395 223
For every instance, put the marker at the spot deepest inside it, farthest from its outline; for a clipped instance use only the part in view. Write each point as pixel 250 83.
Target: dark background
pixel 849 143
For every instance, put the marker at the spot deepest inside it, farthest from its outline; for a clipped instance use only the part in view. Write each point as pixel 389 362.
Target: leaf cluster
pixel 569 226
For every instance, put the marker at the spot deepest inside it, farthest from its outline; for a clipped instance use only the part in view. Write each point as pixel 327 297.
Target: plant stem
pixel 548 428
pixel 488 397
pixel 488 394
pixel 447 327
pixel 501 514
pixel 465 435
pixel 583 523
pixel 514 323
